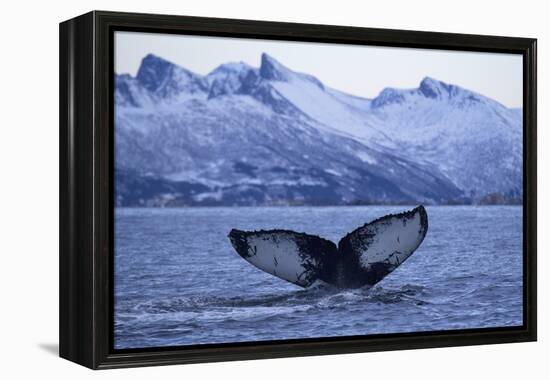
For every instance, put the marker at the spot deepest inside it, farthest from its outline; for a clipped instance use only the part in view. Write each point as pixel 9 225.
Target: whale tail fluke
pixel 295 257
pixel 373 251
pixel 363 257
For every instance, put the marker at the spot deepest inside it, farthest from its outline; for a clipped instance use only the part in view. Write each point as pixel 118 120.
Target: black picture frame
pixel 86 188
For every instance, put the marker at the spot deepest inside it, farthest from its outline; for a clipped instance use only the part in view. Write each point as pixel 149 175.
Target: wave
pixel 318 296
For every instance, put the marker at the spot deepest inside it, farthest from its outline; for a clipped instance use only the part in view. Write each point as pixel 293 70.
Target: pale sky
pixel 357 70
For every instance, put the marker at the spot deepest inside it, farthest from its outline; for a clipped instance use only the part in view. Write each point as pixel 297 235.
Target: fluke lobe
pixel 363 257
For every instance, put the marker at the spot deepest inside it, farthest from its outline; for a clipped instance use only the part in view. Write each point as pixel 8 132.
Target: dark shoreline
pixel 304 206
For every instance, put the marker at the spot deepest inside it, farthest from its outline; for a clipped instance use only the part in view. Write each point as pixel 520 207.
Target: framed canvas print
pixel 236 189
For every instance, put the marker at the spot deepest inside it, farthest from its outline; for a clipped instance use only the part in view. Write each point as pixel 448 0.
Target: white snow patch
pixel 324 108
pixel 214 195
pixel 333 172
pixel 365 157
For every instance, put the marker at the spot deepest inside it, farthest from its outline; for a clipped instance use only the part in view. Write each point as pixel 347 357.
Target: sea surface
pixel 178 280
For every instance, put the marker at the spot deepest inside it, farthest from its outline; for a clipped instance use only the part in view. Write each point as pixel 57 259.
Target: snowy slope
pixel 474 140
pixel 269 135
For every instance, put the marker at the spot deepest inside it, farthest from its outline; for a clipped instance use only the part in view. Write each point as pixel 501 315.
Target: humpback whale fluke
pixel 363 257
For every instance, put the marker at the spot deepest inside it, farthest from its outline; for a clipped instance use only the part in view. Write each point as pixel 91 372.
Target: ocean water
pixel 178 280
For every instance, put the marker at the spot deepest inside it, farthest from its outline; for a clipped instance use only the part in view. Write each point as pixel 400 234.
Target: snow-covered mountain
pixel 245 136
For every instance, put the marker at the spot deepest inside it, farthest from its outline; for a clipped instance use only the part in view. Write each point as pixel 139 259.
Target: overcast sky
pixel 358 70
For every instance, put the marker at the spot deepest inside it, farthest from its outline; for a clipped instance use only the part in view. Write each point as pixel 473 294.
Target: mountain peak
pixel 153 70
pixel 433 88
pixel 272 69
pixel 166 79
pixel 152 58
pixel 388 96
pixel 228 78
pixel 228 69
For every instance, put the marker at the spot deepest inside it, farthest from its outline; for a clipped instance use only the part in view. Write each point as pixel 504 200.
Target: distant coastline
pixel 493 199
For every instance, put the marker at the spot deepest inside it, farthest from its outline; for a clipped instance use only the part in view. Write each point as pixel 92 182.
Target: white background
pixel 29 191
